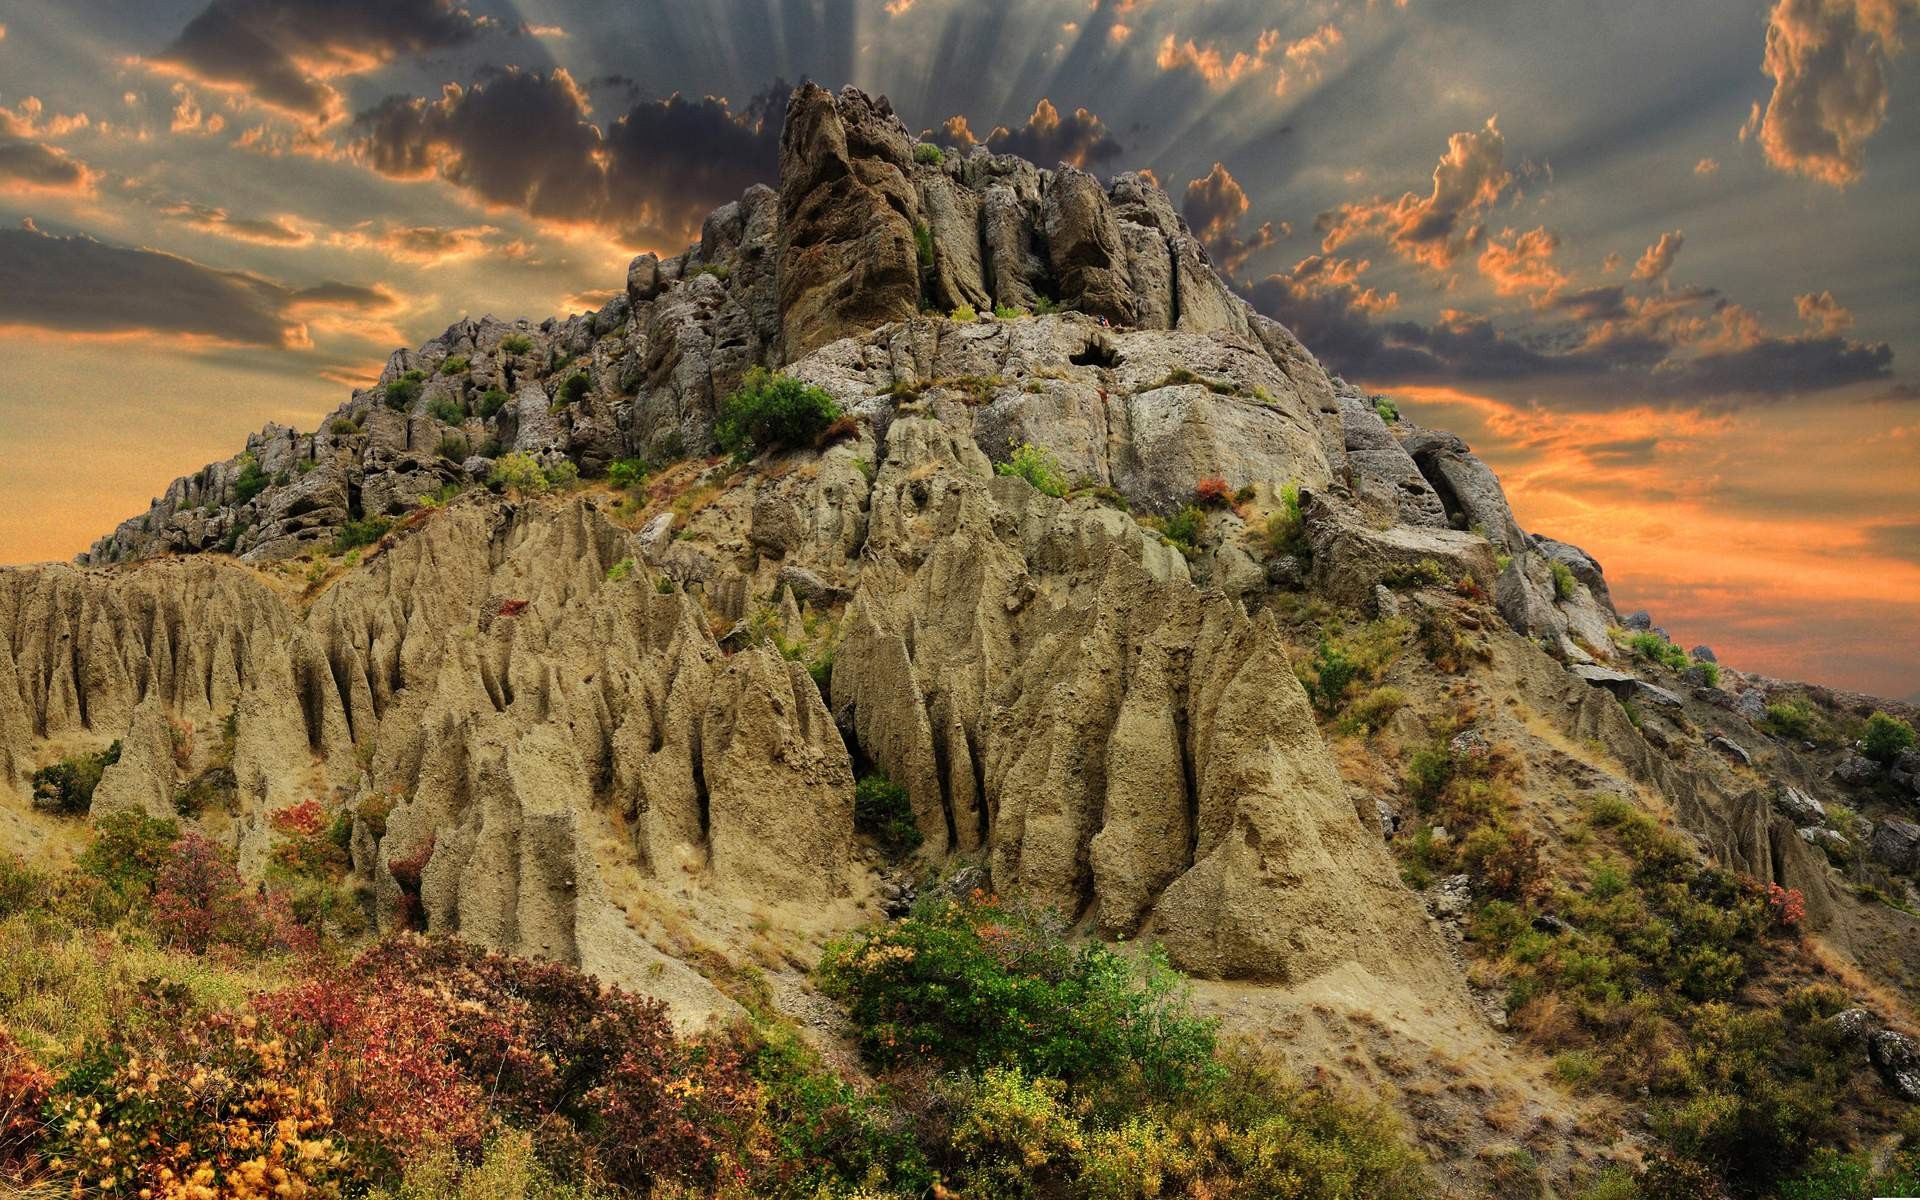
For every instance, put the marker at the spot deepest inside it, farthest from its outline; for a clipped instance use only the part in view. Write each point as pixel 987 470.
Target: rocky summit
pixel 1146 619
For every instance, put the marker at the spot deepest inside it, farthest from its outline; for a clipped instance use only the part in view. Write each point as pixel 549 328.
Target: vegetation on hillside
pixel 168 1032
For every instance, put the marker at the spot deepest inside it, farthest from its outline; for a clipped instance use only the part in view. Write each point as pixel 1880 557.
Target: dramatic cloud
pixel 1295 62
pixel 1213 206
pixel 1305 58
pixel 431 245
pixel 1822 313
pixel 1047 138
pixel 286 53
pixel 1522 263
pixel 29 119
pixel 265 231
pixel 1436 228
pixel 1829 61
pixel 1658 259
pixel 75 285
pixel 27 166
pixel 1706 166
pixel 1688 345
pixel 526 140
pixel 1210 63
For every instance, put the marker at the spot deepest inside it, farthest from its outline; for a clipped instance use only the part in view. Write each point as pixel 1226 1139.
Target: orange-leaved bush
pixel 195 1108
pixel 24 1088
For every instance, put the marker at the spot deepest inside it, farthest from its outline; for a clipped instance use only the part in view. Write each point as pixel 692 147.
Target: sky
pixel 1659 264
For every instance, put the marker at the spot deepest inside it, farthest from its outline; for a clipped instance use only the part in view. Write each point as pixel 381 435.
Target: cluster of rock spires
pixel 1108 723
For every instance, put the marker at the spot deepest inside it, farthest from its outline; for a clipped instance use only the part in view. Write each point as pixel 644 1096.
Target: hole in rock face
pixel 1097 353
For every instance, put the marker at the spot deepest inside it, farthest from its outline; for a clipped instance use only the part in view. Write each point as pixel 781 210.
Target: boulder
pixel 1467 487
pixel 1797 806
pixel 1896 844
pixel 1637 621
pixel 1855 769
pixel 1704 654
pixel 1351 557
pixel 1897 1059
pixel 1732 749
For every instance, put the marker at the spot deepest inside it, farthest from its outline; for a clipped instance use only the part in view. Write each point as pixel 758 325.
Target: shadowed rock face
pixel 1113 727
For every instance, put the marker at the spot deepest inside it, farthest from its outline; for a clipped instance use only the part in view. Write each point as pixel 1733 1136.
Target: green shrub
pixel 491 402
pixel 1037 466
pixel 1371 712
pixel 344 427
pixel 452 447
pixel 882 811
pixel 575 389
pixel 455 365
pixel 1656 649
pixel 923 246
pixel 355 534
pixel 1287 528
pixel 1183 529
pixel 446 410
pixel 251 480
pixel 1564 584
pixel 1427 572
pixel 1710 671
pixel 67 786
pixel 1015 1138
pixel 1007 312
pixel 1256 1133
pixel 1328 675
pixel 1886 737
pixel 981 983
pixel 1792 718
pixel 128 851
pixel 928 154
pixel 965 314
pixel 829 1137
pixel 515 343
pixel 1389 410
pixel 772 412
pixel 1045 306
pixel 519 473
pixel 627 473
pixel 402 392
pixel 620 571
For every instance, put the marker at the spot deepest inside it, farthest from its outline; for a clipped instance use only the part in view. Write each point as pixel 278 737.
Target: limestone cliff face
pixel 1108 723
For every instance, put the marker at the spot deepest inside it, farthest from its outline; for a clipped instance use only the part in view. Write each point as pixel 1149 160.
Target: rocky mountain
pixel 620 726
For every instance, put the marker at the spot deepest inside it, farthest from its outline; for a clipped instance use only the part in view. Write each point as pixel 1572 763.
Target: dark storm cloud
pixel 1213 206
pixel 283 52
pixel 30 165
pixel 1081 140
pixel 1623 360
pixel 76 285
pixel 527 140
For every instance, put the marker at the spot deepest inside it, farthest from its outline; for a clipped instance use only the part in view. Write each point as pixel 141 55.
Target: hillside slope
pixel 621 726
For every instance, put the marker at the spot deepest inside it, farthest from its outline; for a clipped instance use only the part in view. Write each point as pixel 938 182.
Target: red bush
pixel 200 903
pixel 407 874
pixel 1212 491
pixel 1789 905
pixel 303 848
pixel 393 1089
pixel 678 1112
pixel 24 1088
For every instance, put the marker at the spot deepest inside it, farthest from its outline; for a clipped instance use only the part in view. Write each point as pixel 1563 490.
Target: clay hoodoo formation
pixel 575 707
